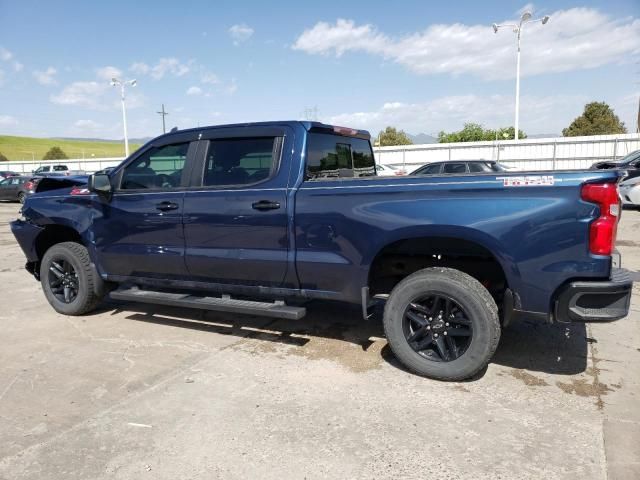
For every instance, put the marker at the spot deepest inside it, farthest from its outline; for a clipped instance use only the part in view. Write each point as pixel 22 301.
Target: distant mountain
pixel 422 138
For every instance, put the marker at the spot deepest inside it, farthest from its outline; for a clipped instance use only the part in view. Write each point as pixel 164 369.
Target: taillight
pixel 602 231
pixel 28 185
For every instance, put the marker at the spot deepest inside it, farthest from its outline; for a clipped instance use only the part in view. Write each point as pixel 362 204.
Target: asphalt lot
pixel 152 392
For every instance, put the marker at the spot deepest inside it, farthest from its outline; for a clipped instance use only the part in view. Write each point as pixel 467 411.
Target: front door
pixel 139 232
pixel 236 224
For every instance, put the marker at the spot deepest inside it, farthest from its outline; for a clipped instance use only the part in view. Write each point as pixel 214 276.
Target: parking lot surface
pixel 135 391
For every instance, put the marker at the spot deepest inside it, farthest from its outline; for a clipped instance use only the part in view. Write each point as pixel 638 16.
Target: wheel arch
pixel 454 244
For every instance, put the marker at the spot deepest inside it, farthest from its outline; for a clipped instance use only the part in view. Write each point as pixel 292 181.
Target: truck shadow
pixel 553 349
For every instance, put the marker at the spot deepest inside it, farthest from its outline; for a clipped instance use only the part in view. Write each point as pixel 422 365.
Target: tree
pixel 55 153
pixel 597 118
pixel 474 132
pixel 3 158
pixel 391 136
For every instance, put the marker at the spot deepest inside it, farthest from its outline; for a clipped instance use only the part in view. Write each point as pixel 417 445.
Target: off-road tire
pixel 78 256
pixel 468 293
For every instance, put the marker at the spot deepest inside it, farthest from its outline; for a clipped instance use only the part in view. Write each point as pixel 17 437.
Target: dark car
pixel 28 187
pixel 630 163
pixel 460 166
pixel 11 188
pixel 6 174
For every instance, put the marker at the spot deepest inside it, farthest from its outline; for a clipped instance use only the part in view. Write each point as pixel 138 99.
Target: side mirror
pixel 100 184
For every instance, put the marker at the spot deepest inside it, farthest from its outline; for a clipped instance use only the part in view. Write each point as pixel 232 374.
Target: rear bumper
pixel 595 301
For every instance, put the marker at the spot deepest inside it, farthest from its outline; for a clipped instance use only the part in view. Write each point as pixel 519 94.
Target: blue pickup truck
pixel 259 218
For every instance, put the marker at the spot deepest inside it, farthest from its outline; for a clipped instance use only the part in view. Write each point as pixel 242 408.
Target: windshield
pixel 628 158
pixel 499 167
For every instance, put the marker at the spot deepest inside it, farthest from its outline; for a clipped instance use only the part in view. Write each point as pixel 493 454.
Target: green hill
pixel 28 148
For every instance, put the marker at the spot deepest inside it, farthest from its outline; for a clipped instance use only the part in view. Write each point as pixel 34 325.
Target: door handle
pixel 166 206
pixel 266 205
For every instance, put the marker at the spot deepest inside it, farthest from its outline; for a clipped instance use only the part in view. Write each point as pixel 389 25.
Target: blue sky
pixel 421 66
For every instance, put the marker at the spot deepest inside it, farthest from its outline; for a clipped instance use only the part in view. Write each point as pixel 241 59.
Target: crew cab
pixel 260 217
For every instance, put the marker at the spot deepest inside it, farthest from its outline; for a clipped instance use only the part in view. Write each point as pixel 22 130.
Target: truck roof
pixel 307 125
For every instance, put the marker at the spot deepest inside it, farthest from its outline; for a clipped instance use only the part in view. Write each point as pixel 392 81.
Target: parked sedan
pixel 28 188
pixel 389 171
pixel 629 192
pixel 6 174
pixel 630 163
pixel 10 188
pixel 460 166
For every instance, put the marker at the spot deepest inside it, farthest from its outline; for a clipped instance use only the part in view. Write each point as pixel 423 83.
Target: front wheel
pixel 68 280
pixel 442 323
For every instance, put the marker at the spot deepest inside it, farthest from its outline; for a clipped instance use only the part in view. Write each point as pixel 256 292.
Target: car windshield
pixel 628 158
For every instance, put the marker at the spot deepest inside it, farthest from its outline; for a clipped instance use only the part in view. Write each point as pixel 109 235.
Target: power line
pixel 164 114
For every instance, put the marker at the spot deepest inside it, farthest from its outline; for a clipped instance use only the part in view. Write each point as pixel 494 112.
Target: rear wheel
pixel 21 197
pixel 442 323
pixel 68 280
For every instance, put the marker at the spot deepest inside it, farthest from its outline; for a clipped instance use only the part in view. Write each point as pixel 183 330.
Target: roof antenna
pixel 174 129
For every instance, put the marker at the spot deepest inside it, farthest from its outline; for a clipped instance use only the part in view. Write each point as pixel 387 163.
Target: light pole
pixel 517 29
pixel 118 83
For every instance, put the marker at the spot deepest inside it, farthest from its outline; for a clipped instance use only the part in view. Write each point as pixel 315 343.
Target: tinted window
pixel 455 168
pixel 159 167
pixel 335 156
pixel 59 168
pixel 479 167
pixel 240 161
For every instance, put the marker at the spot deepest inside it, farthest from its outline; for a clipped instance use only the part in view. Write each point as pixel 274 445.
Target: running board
pixel 219 304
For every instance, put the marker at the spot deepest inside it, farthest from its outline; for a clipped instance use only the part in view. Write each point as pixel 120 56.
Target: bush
pixel 55 153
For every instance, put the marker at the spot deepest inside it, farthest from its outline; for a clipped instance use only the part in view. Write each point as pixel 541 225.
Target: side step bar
pixel 220 304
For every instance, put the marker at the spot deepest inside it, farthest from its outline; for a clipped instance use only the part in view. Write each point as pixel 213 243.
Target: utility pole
pixel 311 113
pixel 164 114
pixel 119 83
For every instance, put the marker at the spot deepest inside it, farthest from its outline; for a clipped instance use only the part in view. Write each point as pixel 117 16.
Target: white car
pixel 389 170
pixel 629 191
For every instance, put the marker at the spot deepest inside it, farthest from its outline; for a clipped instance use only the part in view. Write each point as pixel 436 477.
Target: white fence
pixel 563 153
pixel 87 165
pixel 530 154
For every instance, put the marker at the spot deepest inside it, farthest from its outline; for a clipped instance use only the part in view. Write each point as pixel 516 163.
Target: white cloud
pixel 45 77
pixel 232 87
pixel 573 39
pixel 108 72
pixel 168 65
pixel 210 78
pixel 139 68
pixel 547 114
pixel 7 121
pixel 240 33
pixel 164 66
pixel 194 91
pixel 83 94
pixel 17 66
pixel 5 55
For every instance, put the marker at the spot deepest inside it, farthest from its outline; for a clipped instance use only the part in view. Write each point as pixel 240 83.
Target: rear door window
pixel 240 161
pixel 335 156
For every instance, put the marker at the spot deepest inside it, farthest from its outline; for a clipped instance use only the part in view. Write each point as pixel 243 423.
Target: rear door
pixel 236 223
pixel 139 232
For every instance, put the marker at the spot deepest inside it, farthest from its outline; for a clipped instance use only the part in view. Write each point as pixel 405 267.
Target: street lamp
pixel 119 83
pixel 517 29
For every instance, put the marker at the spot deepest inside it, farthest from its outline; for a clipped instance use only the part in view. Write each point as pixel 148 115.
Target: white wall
pixel 529 154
